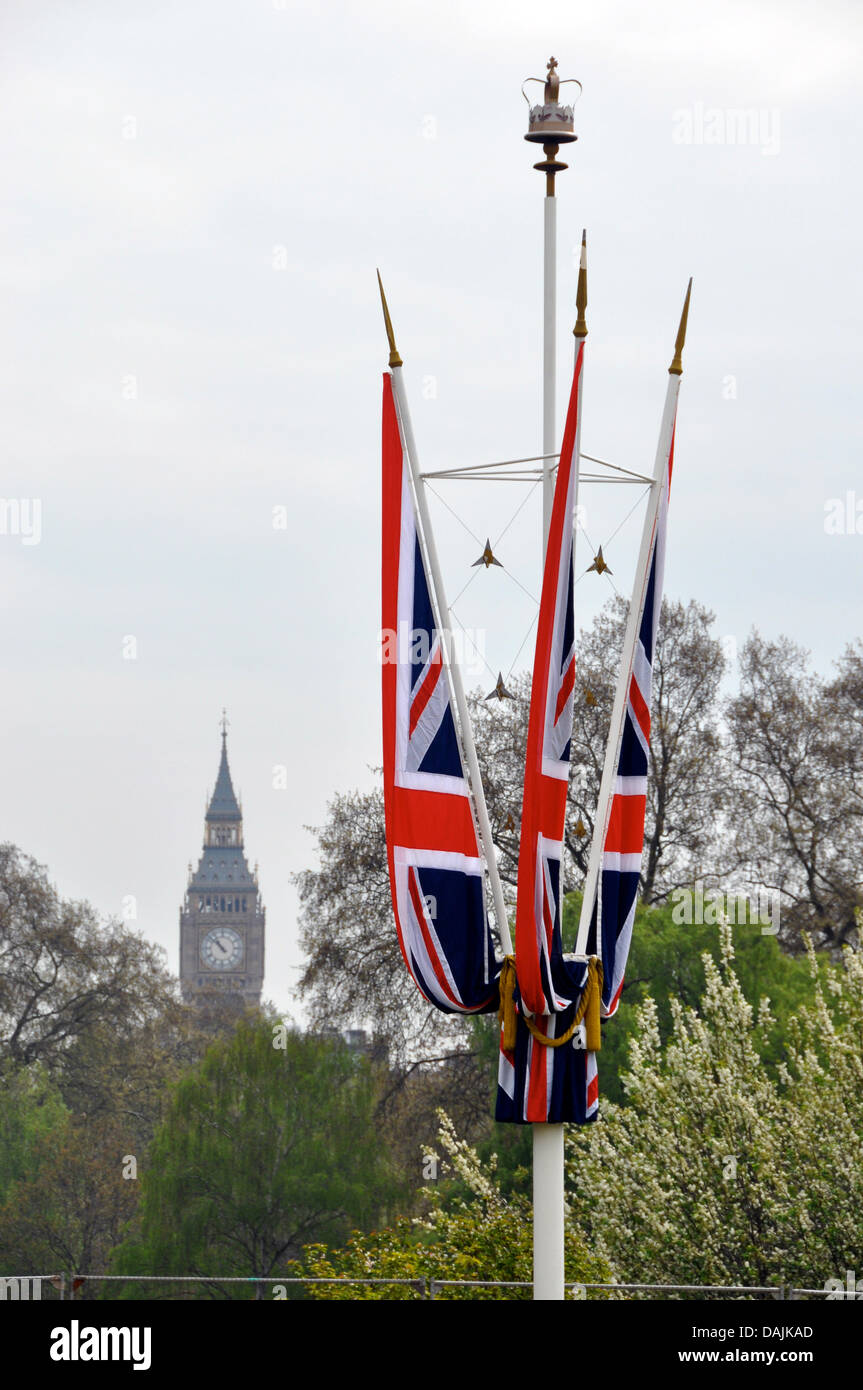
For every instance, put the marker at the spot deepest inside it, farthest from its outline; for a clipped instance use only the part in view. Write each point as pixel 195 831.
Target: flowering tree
pixel 471 1233
pixel 734 1161
pixel 720 1169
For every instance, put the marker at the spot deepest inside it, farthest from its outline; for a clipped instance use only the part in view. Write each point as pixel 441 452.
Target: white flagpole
pixel 548 1158
pixel 549 125
pixel 579 333
pixel 442 617
pixel 549 356
pixel 548 1146
pixel 633 624
pixel 548 1198
pixel 549 1201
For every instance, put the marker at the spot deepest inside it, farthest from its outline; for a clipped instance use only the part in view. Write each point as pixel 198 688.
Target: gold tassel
pixel 588 1010
pixel 506 1010
pixel 592 1031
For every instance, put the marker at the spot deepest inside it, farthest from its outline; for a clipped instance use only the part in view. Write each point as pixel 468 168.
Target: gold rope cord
pixel 587 1010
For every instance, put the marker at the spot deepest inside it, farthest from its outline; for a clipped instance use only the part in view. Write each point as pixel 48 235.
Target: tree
pixel 63 973
pixel 845 697
pixel 686 790
pixel 470 1231
pixel 719 1169
pixel 31 1108
pixel 70 1208
pixel 666 964
pixel 794 746
pixel 126 1070
pixel 722 1170
pixel 268 1144
pixel 354 973
pixel 355 977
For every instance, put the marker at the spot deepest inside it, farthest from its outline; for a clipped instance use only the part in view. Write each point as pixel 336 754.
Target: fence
pixel 66 1286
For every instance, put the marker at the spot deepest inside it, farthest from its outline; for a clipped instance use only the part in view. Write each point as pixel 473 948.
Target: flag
pixel 539 1084
pixel 545 985
pixel 613 909
pixel 434 860
pixel 554 1081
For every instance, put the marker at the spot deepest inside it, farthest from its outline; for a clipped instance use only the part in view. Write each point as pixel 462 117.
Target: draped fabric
pixel 435 866
pixel 610 931
pixel 436 870
pixel 537 1083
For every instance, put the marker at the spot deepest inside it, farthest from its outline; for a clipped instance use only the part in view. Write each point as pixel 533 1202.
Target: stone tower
pixel 222 918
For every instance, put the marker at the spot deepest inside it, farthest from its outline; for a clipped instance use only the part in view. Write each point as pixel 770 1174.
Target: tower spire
pixel 223 803
pixel 222 919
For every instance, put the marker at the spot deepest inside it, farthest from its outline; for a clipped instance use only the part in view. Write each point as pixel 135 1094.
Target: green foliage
pixel 733 1161
pixel 68 1210
pixel 480 1235
pixel 263 1149
pixel 30 1108
pixel 722 1168
pixel 667 964
pixel 65 972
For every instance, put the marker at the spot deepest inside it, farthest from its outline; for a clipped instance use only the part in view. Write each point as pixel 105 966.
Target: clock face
pixel 222 948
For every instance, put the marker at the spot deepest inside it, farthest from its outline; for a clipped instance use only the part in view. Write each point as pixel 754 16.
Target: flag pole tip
pixel 676 368
pixel 580 330
pixel 395 360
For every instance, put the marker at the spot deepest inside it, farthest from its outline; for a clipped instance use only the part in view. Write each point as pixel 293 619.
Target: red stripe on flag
pixel 537 1089
pixel 544 801
pixel 639 707
pixel 593 1091
pixel 416 820
pixel 547 912
pixel 612 1008
pixel 426 690
pixel 419 909
pixel 565 690
pixel 391 475
pixel 449 817
pixel 625 825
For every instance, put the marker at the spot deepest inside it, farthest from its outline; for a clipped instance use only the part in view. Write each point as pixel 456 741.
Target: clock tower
pixel 222 918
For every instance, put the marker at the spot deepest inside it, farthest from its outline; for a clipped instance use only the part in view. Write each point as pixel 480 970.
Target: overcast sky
pixel 195 198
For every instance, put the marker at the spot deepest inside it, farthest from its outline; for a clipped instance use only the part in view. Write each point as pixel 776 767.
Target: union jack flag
pixel 613 913
pixel 435 866
pixel 537 1082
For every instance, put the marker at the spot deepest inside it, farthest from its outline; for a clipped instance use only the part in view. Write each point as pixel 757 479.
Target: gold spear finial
pixel 676 368
pixel 395 360
pixel 580 329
